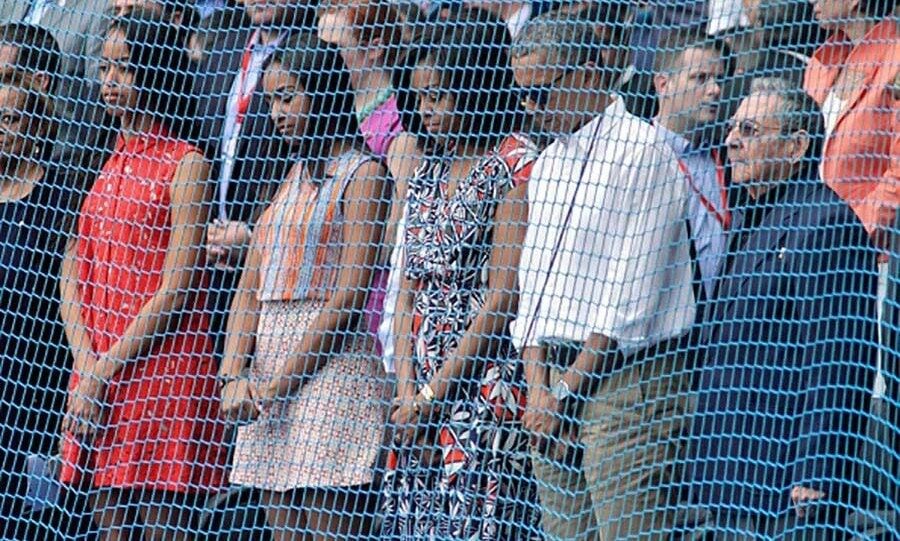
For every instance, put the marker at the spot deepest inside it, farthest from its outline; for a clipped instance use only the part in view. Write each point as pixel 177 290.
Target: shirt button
pixel 128 169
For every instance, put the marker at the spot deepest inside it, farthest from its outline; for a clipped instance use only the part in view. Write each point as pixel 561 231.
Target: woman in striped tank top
pixel 313 400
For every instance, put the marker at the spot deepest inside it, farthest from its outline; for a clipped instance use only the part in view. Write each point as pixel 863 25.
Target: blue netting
pixel 495 270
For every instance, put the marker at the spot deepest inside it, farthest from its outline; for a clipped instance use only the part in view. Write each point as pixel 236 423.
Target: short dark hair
pixel 673 45
pixel 161 68
pixel 472 59
pixel 321 72
pixel 37 49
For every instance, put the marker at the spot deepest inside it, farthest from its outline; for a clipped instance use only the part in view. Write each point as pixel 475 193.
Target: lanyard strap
pixel 722 216
pixel 244 90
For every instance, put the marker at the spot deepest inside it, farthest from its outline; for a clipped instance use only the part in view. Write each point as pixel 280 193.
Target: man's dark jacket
pixel 787 355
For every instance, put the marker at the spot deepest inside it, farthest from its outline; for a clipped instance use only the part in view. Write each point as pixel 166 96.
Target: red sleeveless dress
pixel 162 430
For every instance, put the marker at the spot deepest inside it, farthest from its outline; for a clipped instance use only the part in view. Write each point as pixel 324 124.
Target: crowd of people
pixel 492 270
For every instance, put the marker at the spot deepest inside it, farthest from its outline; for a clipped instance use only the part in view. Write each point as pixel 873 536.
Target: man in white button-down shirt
pixel 605 288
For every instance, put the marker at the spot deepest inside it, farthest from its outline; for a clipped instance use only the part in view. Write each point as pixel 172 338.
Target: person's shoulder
pixel 817 207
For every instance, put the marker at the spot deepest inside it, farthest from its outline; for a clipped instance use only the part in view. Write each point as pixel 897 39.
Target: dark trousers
pixel 222 287
pixel 706 525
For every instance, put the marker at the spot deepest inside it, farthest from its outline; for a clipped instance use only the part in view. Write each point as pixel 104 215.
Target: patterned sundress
pixel 484 488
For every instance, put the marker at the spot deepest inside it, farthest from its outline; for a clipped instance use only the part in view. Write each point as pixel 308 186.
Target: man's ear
pixel 660 83
pixel 41 79
pixel 375 49
pixel 800 142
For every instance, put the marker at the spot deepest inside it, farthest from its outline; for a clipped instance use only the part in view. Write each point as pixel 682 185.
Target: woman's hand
pixel 86 406
pixel 413 417
pixel 239 401
pixel 227 242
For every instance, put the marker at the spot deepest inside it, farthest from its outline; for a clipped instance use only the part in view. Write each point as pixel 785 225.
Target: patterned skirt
pixel 481 486
pixel 327 435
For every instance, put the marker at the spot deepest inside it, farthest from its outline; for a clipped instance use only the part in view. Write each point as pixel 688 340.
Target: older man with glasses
pixel 606 292
pixel 789 342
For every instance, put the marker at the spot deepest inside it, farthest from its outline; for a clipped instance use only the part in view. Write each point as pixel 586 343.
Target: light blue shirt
pixel 709 234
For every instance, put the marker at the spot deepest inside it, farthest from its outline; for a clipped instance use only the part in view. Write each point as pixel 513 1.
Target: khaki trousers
pixel 630 436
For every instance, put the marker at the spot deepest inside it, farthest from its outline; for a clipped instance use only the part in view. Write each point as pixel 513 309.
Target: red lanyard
pixel 245 95
pixel 723 216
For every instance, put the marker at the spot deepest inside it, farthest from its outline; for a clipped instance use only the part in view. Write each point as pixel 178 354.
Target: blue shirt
pixel 708 227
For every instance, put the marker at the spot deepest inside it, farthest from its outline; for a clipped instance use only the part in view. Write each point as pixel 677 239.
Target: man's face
pixel 690 94
pixel 551 93
pixel 757 150
pixel 8 56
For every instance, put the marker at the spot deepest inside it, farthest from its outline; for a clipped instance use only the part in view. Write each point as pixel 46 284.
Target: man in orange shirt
pixel 855 78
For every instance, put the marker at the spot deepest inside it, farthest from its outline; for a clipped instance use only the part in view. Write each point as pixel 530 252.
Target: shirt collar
pixel 607 120
pixel 143 141
pixel 519 18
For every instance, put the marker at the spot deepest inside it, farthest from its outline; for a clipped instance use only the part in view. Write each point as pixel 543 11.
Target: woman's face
pixel 116 75
pixel 437 106
pixel 288 103
pixel 15 137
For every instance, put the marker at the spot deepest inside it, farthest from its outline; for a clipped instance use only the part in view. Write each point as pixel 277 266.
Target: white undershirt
pixel 831 109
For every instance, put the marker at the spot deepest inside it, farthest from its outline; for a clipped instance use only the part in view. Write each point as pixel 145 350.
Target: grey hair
pixel 568 40
pixel 798 112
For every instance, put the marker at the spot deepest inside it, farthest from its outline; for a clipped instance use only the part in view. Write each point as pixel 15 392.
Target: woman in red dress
pixel 141 418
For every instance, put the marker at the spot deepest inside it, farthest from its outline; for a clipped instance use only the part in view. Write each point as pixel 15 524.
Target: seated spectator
pixel 34 217
pixel 216 23
pixel 606 211
pixel 141 422
pixel 458 419
pixel 315 394
pixel 689 73
pixel 785 25
pixel 369 36
pixel 788 344
pixel 855 78
pixel 78 26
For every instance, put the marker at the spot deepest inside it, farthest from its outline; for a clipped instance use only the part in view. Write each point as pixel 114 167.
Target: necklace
pixel 382 96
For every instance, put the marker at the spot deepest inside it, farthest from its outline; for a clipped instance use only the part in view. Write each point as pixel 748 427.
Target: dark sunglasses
pixel 540 94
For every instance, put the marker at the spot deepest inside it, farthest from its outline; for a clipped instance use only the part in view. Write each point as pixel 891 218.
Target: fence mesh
pixel 422 270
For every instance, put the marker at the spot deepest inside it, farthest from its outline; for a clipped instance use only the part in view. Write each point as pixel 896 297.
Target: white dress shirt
pixel 392 292
pixel 623 268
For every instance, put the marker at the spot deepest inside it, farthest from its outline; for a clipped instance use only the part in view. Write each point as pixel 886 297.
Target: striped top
pixel 299 236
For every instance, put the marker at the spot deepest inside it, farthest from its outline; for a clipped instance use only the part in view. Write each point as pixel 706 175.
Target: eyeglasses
pixel 540 94
pixel 748 129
